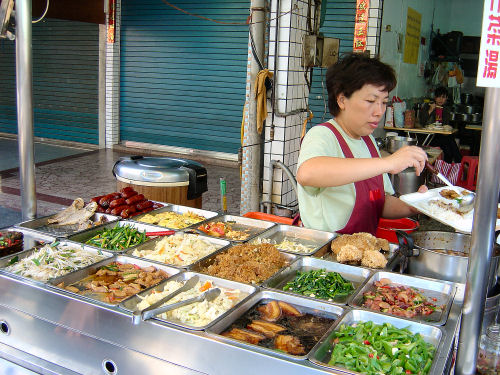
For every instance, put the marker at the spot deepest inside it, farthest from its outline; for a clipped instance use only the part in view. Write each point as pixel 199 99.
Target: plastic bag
pixel 399 108
pixel 448 170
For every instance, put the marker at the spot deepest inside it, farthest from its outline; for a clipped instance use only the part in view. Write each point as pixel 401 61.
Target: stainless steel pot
pixel 465 117
pixel 394 143
pixel 469 109
pixel 406 182
pixel 475 117
pixel 444 255
pixel 466 98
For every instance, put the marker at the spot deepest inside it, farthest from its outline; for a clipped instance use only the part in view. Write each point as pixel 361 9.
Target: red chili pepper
pixel 366 342
pixel 408 372
pixel 378 357
pixel 370 355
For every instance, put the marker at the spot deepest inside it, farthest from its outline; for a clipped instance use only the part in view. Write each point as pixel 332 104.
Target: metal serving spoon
pixel 208 295
pixel 466 203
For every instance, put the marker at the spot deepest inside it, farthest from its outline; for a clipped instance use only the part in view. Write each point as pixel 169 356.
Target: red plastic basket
pixel 387 228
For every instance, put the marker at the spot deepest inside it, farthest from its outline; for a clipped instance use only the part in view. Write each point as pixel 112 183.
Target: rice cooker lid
pixel 155 170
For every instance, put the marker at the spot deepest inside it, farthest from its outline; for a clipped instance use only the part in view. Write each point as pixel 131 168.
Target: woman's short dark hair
pixel 352 72
pixel 440 91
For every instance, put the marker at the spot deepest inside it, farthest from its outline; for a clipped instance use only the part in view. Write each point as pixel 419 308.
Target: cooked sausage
pixel 142 205
pixel 127 212
pixel 117 202
pixel 135 199
pixel 108 210
pixel 100 209
pixel 126 189
pixel 104 201
pixel 128 194
pixel 97 199
pixel 118 210
pixel 147 209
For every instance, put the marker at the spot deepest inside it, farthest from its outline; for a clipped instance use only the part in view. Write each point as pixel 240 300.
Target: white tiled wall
pixel 113 84
pixel 291 92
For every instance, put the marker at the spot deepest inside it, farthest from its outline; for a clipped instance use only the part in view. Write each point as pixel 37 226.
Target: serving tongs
pixel 157 308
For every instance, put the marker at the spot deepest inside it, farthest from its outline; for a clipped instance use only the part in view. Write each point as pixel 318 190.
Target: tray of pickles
pixel 234 228
pixel 296 240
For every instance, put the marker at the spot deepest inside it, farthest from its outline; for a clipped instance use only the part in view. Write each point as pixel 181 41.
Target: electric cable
pixel 44 13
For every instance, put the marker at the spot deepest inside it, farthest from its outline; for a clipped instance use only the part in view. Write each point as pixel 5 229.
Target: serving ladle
pixel 466 202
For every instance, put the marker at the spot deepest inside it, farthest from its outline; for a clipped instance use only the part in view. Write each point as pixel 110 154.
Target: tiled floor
pixel 89 173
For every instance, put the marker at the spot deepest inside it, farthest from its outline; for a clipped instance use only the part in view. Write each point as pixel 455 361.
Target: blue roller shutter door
pixel 65 81
pixel 182 78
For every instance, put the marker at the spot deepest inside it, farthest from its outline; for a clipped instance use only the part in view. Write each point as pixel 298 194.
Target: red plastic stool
pixel 467 177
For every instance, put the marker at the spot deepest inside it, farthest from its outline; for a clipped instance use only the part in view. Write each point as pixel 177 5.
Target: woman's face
pixel 360 114
pixel 440 100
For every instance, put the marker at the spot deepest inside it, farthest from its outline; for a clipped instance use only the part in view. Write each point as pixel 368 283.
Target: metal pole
pixel 252 155
pixel 483 238
pixel 24 83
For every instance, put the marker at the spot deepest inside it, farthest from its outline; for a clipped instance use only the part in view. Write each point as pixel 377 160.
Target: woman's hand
pixel 423 189
pixel 405 157
pixel 432 106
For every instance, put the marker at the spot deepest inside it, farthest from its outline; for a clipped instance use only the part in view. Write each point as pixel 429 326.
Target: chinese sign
pixel 487 70
pixel 361 25
pixel 412 37
pixel 111 21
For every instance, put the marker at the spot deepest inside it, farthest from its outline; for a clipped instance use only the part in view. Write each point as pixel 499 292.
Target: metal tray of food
pixel 130 304
pixel 147 250
pixel 84 236
pixel 202 264
pixel 295 240
pixel 41 225
pixel 321 353
pixel 175 222
pixel 439 293
pixel 356 275
pixel 242 228
pixel 238 318
pixel 326 254
pixel 75 283
pixel 44 274
pixel 33 238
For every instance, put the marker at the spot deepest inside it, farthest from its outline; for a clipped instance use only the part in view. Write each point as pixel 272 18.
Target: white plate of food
pixel 442 205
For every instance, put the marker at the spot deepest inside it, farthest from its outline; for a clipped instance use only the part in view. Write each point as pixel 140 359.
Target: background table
pixel 429 132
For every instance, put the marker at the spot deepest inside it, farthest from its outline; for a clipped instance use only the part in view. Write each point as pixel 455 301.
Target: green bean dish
pixel 374 349
pixel 117 238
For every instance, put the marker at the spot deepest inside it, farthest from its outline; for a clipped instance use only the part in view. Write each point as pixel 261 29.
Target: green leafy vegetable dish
pixel 320 284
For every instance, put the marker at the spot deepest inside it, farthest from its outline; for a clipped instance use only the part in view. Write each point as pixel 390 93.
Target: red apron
pixel 370 194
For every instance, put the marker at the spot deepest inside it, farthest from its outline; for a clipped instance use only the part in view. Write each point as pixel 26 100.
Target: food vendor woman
pixel 343 184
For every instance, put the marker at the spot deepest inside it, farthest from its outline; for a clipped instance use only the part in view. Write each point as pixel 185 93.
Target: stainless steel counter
pixel 52 332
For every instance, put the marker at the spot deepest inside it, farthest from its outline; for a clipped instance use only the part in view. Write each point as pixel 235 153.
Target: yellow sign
pixel 412 37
